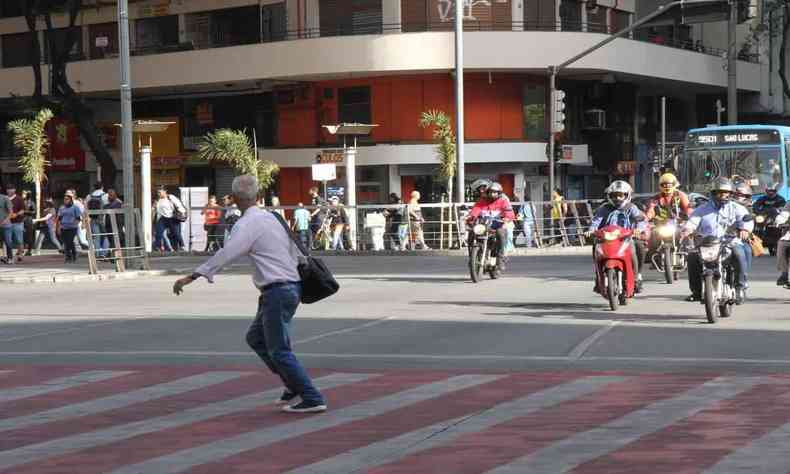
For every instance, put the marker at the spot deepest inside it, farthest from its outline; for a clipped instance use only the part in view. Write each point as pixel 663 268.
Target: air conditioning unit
pixel 594 119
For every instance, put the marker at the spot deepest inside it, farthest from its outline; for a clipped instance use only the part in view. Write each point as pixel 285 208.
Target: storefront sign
pixel 69 163
pixel 324 172
pixel 625 168
pixel 204 113
pixel 330 156
pixel 102 41
pixel 446 9
pixel 730 137
pixel 65 150
pixel 160 9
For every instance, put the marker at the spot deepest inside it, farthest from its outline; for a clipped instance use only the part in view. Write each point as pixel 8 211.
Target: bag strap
pixel 296 241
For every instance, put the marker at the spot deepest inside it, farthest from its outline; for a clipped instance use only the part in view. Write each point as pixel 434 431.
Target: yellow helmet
pixel 670 180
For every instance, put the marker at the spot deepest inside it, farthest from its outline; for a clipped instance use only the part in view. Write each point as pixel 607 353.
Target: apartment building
pixel 285 68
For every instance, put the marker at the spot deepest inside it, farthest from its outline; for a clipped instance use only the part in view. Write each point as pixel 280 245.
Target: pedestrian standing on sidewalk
pixel 212 214
pixel 260 236
pixel 30 228
pixel 17 221
pixel 302 225
pixel 5 229
pixel 69 217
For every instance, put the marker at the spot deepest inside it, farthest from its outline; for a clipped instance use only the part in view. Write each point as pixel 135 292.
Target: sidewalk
pixel 50 268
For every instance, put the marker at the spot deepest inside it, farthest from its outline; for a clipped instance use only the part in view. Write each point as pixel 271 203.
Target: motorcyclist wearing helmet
pixel 669 203
pixel 479 188
pixel 715 218
pixel 743 194
pixel 494 203
pixel 771 200
pixel 620 211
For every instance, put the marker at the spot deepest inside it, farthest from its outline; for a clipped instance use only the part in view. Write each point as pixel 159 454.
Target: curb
pixel 79 277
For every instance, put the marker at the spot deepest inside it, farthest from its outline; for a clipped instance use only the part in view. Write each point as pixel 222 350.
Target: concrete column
pixel 517 15
pixel 145 178
pixel 584 15
pixel 394 179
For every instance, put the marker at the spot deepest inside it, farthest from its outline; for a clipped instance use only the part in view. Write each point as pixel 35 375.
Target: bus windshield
pixel 760 167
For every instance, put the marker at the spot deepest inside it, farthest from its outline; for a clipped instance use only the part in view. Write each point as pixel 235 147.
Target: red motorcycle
pixel 615 275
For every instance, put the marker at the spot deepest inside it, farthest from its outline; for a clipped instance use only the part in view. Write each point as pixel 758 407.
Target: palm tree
pixel 234 148
pixel 445 150
pixel 31 139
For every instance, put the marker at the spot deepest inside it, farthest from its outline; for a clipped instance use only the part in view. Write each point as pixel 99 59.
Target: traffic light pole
pixel 554 70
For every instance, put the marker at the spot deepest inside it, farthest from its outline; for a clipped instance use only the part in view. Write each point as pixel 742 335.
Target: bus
pixel 755 153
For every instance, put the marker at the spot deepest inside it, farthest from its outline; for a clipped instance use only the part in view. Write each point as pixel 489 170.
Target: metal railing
pixel 378 28
pixel 110 240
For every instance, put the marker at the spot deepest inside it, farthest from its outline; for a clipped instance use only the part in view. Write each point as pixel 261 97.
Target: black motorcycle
pixel 766 229
pixel 718 276
pixel 484 249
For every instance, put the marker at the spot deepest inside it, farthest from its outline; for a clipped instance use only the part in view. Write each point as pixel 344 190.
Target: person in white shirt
pixel 166 206
pixel 275 258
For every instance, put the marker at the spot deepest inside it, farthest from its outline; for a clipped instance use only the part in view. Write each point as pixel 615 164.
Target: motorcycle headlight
pixel 666 231
pixel 479 229
pixel 709 254
pixel 759 219
pixel 614 235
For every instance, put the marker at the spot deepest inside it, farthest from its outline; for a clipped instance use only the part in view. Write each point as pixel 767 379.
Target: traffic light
pixel 558 104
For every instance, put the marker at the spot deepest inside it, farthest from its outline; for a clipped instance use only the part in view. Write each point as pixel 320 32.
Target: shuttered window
pixel 433 15
pixel 540 15
pixel 350 17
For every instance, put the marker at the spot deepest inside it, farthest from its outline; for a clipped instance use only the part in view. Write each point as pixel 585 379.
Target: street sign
pixel 325 172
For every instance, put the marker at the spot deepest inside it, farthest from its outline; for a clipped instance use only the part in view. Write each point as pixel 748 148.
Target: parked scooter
pixel 483 249
pixel 615 275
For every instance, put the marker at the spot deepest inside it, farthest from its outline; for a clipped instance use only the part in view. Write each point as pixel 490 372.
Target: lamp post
pixel 350 155
pixel 147 127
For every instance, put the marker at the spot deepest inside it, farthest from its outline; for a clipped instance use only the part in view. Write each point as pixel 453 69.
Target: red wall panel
pixel 407 105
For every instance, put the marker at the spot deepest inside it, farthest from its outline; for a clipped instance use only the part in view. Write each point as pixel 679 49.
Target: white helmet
pixel 619 194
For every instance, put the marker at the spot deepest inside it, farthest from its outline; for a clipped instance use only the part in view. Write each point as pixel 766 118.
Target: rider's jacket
pixel 627 217
pixel 662 208
pixel 713 220
pixel 500 208
pixel 764 203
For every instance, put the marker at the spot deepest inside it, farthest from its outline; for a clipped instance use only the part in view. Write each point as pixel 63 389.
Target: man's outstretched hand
pixel 179 285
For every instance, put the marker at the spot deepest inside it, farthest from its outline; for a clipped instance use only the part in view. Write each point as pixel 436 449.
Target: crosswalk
pixel 152 419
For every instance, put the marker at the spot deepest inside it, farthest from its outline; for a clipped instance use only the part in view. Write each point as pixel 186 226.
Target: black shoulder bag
pixel 317 281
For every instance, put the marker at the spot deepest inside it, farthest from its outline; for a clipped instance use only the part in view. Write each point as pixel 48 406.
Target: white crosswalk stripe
pixel 212 452
pixel 62 383
pixel 440 434
pixel 121 400
pixel 769 454
pixel 583 447
pixel 40 451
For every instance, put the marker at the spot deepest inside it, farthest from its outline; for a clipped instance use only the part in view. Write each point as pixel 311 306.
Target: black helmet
pixel 774 187
pixel 721 185
pixel 495 188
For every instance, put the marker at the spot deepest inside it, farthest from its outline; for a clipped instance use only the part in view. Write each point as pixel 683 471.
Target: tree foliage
pixel 30 138
pixel 443 133
pixel 234 148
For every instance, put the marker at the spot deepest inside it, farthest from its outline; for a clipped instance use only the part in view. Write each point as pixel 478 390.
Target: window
pixel 156 34
pixel 59 38
pixel 535 113
pixel 17 49
pixel 354 105
pixel 235 26
pixel 540 15
pixel 103 40
pixel 350 17
pixel 11 8
pixel 571 15
pixel 274 22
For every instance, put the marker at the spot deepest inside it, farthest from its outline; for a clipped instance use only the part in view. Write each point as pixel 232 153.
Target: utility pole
pixel 663 130
pixel 459 98
pixel 126 120
pixel 732 65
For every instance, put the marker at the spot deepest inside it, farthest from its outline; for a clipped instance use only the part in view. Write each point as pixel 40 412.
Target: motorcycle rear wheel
pixel 612 289
pixel 711 305
pixel 725 310
pixel 668 265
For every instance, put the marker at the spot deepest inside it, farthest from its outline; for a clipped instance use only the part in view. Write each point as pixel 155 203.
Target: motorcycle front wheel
pixel 612 284
pixel 668 273
pixel 476 263
pixel 711 303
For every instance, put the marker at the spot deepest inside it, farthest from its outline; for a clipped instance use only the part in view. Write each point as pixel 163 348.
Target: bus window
pixel 759 166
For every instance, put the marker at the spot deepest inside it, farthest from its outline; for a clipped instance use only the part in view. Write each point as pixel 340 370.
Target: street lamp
pixel 350 155
pixel 148 127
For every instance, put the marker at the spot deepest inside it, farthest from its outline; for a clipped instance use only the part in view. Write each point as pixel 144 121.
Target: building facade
pixel 285 68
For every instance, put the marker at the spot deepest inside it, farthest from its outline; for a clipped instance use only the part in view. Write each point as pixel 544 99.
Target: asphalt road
pixel 404 312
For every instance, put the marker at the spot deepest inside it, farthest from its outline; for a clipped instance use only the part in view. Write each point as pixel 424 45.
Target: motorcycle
pixel 782 222
pixel 766 228
pixel 483 249
pixel 615 275
pixel 718 276
pixel 669 258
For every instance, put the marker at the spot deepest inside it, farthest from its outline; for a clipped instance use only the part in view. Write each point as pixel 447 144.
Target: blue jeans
pixel 529 238
pixel 743 255
pixel 160 227
pixel 100 242
pixel 269 338
pixel 8 239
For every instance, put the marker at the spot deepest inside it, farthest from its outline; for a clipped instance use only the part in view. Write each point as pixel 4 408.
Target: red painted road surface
pixel 158 419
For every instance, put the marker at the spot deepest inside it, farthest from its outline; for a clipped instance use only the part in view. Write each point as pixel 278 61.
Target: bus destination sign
pixel 734 137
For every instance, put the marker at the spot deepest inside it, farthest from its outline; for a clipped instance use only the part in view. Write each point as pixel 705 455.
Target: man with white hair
pixel 259 235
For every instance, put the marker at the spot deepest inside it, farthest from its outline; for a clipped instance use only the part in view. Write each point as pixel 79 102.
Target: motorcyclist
pixel 743 194
pixel 493 203
pixel 771 200
pixel 782 249
pixel 620 211
pixel 714 219
pixel 669 203
pixel 479 188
